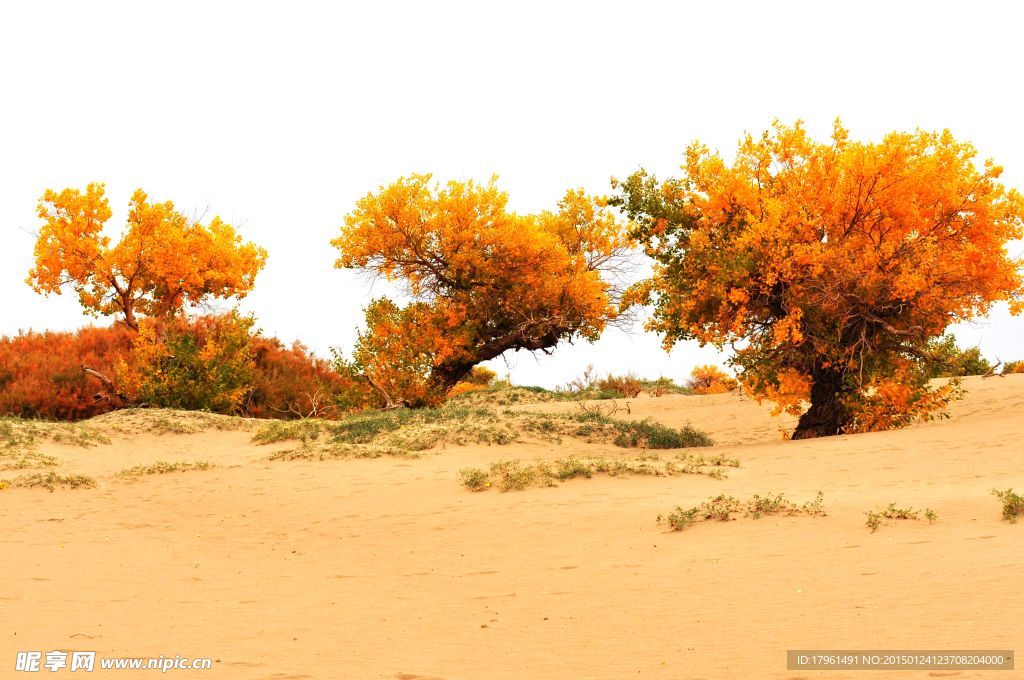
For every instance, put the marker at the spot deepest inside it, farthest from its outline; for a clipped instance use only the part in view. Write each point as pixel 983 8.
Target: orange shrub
pixel 41 373
pixel 710 380
pixel 628 385
pixel 290 382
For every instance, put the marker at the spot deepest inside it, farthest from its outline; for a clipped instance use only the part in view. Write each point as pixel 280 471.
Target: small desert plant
pixel 25 461
pixel 514 475
pixel 474 479
pixel 23 433
pixel 649 434
pixel 51 480
pixel 1013 504
pixel 876 517
pixel 679 518
pixel 723 508
pixel 162 467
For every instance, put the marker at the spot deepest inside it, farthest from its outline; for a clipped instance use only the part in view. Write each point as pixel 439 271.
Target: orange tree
pixel 828 266
pixel 163 262
pixel 710 380
pixel 482 280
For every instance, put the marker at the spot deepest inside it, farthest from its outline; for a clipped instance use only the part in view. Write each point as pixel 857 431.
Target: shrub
pixel 710 380
pixel 41 373
pixel 1013 367
pixel 1013 504
pixel 290 382
pixel 479 378
pixel 874 518
pixel 628 385
pixel 482 376
pixel 203 365
pixel 948 360
pixel 474 479
pixel 652 435
pixel 722 508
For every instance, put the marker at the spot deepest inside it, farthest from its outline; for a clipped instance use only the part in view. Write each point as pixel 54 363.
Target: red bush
pixel 41 376
pixel 290 382
pixel 41 373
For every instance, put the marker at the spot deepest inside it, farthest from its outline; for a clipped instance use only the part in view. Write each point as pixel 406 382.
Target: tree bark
pixel 444 377
pixel 828 415
pixel 110 393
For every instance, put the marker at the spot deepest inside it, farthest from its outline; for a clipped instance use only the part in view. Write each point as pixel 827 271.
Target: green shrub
pixel 474 479
pixel 1013 504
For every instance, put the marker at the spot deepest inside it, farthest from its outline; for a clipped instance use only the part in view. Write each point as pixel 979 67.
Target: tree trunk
pixel 827 415
pixel 443 378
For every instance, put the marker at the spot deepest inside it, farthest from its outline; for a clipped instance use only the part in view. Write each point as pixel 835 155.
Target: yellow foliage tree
pixel 163 262
pixel 710 380
pixel 483 280
pixel 830 265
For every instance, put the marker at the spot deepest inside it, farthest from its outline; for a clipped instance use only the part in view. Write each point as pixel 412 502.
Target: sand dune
pixel 388 568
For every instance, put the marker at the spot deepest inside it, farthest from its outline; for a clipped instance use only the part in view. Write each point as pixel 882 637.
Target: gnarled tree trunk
pixel 828 415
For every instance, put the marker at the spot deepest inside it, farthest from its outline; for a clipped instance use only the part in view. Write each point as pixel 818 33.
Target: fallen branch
pixel 992 371
pixel 389 403
pixel 596 409
pixel 110 394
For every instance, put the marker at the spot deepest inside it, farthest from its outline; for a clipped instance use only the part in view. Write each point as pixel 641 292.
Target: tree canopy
pixel 482 280
pixel 828 267
pixel 163 262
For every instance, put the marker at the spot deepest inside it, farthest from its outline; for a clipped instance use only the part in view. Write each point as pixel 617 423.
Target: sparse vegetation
pixel 26 460
pixel 163 467
pixel 408 431
pixel 509 475
pixel 21 434
pixel 1013 504
pixel 875 518
pixel 49 480
pixel 168 421
pixel 474 479
pixel 723 508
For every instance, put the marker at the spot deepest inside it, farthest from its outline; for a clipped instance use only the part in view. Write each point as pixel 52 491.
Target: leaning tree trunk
pixel 828 414
pixel 442 379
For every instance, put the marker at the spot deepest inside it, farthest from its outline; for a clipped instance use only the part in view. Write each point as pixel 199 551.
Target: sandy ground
pixel 388 568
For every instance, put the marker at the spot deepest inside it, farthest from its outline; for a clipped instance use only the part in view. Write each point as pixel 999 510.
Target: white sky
pixel 279 116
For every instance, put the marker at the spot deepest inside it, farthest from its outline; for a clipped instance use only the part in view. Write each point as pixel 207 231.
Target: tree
pixel 482 280
pixel 163 262
pixel 828 266
pixel 710 380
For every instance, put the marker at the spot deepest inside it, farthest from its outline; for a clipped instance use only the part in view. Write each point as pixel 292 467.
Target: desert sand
pixel 389 568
